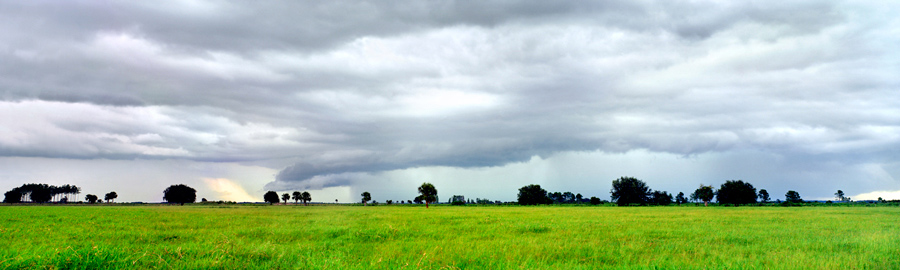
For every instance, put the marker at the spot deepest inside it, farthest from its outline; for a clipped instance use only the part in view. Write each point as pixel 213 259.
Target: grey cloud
pixel 236 26
pixel 346 89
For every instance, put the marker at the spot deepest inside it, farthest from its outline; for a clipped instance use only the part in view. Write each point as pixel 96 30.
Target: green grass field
pixel 407 237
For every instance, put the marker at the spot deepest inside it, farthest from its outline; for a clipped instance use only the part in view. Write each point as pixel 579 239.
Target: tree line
pixel 44 193
pixel 632 191
pixel 625 191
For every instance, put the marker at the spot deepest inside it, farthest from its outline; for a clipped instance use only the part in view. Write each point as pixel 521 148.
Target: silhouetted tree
pixel 736 192
pixel 428 193
pixel 64 191
pixel 110 196
pixel 568 197
pixel 366 197
pixel 306 197
pixel 555 196
pixel 91 198
pixel 297 196
pixel 41 194
pixel 271 197
pixel 661 198
pixel 629 190
pixel 578 197
pixel 12 196
pixel 180 194
pixel 285 197
pixel 457 200
pixel 595 201
pixel 840 196
pixel 792 197
pixel 680 199
pixel 418 199
pixel 763 196
pixel 532 195
pixel 704 193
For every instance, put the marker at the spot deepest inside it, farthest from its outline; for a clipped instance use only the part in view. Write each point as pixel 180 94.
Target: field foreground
pixel 405 237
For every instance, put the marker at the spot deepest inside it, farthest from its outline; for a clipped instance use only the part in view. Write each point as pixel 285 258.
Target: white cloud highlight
pixel 229 190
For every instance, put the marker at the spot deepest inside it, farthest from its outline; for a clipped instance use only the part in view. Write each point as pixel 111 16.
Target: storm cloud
pixel 336 93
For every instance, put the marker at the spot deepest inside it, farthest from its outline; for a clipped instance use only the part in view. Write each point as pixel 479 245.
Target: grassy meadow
pixel 446 237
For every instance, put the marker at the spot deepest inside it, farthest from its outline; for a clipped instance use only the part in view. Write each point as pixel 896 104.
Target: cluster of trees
pixel 534 194
pixel 461 200
pixel 427 195
pixel 302 196
pixel 271 197
pixel 631 191
pixel 839 195
pixel 109 197
pixel 41 193
pixel 44 193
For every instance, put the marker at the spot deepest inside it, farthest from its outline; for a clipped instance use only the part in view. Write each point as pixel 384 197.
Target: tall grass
pixel 396 237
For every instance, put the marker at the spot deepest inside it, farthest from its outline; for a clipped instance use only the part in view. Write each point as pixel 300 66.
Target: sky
pixel 479 98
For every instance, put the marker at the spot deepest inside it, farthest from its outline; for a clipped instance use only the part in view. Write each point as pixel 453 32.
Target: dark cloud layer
pixel 335 89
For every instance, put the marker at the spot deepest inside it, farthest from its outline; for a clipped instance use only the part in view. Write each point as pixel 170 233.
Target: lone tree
pixel 428 193
pixel 840 196
pixel 792 197
pixel 91 198
pixel 629 190
pixel 285 197
pixel 704 193
pixel 680 199
pixel 661 198
pixel 366 197
pixel 110 196
pixel 736 192
pixel 763 196
pixel 271 197
pixel 532 195
pixel 296 196
pixel 179 193
pixel 307 198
